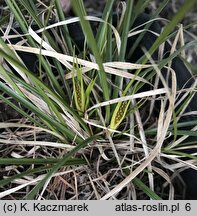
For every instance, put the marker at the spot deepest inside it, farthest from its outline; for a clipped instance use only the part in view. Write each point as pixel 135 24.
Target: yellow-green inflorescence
pixel 119 114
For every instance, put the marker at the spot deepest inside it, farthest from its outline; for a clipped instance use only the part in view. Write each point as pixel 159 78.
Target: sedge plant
pixel 89 106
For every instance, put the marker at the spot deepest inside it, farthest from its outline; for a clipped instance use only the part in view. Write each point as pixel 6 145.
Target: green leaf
pixel 137 182
pixel 36 161
pixel 80 11
pixel 88 91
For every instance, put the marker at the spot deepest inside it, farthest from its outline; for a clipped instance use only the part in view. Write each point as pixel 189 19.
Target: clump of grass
pixel 88 104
